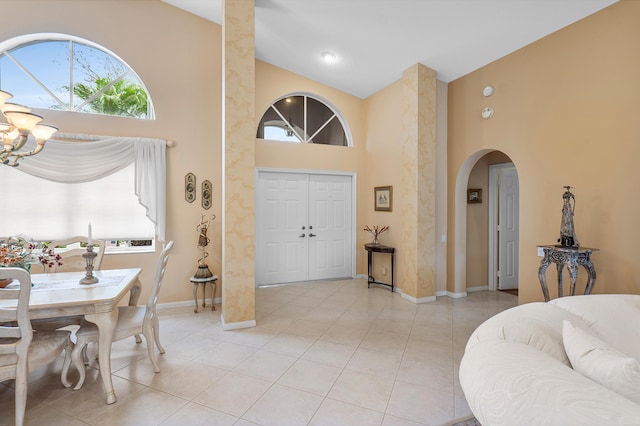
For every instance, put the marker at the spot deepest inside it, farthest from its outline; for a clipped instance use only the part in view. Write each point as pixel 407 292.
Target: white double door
pixel 303 227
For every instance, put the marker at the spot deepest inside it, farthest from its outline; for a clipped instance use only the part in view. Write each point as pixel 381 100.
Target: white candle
pixel 90 239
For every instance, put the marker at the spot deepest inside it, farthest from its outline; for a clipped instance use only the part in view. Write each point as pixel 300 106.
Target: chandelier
pixel 14 133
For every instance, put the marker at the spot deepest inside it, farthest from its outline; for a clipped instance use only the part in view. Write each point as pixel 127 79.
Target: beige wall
pixel 566 113
pixel 181 70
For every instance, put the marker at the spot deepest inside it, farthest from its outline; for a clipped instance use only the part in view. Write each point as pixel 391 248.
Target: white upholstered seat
pixel 132 321
pixel 21 349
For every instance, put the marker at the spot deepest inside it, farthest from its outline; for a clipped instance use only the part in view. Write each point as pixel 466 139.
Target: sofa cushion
pixel 536 324
pixel 597 360
pixel 609 316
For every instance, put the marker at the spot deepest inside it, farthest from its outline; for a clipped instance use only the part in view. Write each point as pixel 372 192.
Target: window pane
pixel 317 114
pixel 331 134
pixel 48 61
pixel 293 112
pixel 29 93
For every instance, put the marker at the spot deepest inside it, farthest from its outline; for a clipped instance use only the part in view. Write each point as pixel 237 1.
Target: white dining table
pixel 57 295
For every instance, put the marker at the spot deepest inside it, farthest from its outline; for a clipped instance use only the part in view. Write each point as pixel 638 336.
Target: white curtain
pixel 72 158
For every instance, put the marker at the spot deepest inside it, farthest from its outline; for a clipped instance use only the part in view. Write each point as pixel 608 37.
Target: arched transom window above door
pixel 303 118
pixel 63 72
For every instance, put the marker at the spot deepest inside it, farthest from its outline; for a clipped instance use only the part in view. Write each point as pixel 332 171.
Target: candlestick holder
pixel 89 257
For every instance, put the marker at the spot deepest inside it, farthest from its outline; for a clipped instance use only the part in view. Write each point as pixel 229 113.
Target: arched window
pixel 62 72
pixel 303 118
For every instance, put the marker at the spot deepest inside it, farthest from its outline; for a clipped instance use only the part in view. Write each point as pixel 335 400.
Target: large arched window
pixel 303 118
pixel 62 72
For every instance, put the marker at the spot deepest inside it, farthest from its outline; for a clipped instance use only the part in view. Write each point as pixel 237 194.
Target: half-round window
pixel 62 72
pixel 303 118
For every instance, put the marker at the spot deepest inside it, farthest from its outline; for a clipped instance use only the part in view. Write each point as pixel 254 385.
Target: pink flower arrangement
pixel 375 231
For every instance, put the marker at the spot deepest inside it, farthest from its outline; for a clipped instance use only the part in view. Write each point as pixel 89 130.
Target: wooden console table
pixel 572 257
pixel 378 248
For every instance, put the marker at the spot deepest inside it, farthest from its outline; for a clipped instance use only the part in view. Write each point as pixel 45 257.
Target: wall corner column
pixel 238 164
pixel 418 192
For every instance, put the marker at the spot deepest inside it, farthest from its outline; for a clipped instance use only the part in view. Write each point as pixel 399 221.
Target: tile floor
pixel 325 353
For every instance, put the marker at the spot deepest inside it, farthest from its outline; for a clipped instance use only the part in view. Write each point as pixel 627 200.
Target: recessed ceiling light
pixel 328 56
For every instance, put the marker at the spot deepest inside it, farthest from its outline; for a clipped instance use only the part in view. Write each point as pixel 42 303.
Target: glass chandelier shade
pixel 21 123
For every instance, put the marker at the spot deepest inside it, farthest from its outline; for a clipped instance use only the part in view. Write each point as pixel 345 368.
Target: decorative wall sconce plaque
pixel 190 187
pixel 206 195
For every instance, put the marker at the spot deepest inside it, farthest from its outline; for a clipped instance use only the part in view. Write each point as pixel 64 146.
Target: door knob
pixel 302 236
pixel 312 235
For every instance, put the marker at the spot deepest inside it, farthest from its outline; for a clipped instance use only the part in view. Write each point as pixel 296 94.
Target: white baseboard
pixel 414 299
pixel 365 276
pixel 185 303
pixel 236 325
pixel 479 288
pixel 456 295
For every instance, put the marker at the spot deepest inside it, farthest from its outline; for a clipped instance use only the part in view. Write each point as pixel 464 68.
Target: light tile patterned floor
pixel 325 353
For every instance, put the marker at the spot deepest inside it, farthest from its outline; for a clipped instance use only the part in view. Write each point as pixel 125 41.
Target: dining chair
pixel 72 260
pixel 22 349
pixel 132 321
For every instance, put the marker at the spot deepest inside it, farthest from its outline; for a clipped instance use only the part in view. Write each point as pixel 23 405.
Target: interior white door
pixel 281 224
pixel 329 226
pixel 508 233
pixel 303 227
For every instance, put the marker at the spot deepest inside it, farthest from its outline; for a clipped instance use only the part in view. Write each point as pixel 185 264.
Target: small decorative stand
pixel 89 257
pixel 203 275
pixel 568 253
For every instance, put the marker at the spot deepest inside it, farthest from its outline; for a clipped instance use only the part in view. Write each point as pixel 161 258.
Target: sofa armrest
pixel 507 383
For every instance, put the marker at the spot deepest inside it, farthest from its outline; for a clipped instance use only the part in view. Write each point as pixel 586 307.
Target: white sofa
pixel 515 370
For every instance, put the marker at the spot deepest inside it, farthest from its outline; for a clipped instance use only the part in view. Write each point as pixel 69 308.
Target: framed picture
pixel 383 198
pixel 474 195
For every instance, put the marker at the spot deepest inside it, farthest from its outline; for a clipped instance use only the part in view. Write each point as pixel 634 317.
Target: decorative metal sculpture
pixel 567 230
pixel 203 241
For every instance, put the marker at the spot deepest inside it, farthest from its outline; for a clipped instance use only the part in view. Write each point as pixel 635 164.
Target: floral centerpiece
pixel 16 251
pixel 375 232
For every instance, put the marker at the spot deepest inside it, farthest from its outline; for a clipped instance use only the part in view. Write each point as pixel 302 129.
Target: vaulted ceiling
pixel 376 40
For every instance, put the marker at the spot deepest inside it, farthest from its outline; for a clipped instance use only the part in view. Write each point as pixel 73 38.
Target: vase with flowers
pixel 16 252
pixel 375 232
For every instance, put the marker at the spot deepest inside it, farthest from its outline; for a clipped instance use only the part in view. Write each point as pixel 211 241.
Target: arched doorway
pixel 482 244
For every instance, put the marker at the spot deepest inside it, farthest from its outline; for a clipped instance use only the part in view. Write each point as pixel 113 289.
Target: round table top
pixel 203 280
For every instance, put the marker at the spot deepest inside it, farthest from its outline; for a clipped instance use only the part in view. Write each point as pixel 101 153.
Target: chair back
pixel 157 283
pixel 15 339
pixel 72 259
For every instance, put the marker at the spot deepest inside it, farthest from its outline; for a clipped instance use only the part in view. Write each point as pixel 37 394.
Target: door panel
pixel 508 235
pixel 330 217
pixel 282 212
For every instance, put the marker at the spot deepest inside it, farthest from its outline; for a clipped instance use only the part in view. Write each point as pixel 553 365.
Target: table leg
pixel 572 266
pixel 392 262
pixel 106 322
pixel 213 294
pixel 370 269
pixel 195 296
pixel 592 277
pixel 204 294
pixel 134 296
pixel 560 267
pixel 544 264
